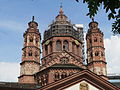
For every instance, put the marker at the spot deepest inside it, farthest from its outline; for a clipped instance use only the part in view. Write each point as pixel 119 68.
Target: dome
pixel 61 16
pixel 61 27
pixel 93 24
pixel 33 24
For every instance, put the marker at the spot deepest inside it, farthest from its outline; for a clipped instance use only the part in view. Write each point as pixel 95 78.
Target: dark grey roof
pixel 17 86
pixel 116 83
pixel 114 77
pixel 65 66
pixel 20 86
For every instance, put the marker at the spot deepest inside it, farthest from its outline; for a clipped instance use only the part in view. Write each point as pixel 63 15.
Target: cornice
pixel 95 47
pixel 96 62
pixel 31 47
pixel 61 36
pixel 29 61
pixel 25 75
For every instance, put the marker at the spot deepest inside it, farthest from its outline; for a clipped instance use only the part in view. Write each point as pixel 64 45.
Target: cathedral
pixel 63 65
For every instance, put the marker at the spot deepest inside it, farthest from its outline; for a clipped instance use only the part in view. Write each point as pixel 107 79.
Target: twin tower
pixel 62 51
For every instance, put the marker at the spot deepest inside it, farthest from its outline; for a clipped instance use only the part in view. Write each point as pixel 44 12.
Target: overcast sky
pixel 15 14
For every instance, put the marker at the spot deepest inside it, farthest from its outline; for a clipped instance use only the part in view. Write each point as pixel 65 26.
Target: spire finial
pixel 61 10
pixel 92 19
pixel 33 18
pixel 61 5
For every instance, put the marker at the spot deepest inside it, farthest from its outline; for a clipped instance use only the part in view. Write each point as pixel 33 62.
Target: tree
pixel 112 7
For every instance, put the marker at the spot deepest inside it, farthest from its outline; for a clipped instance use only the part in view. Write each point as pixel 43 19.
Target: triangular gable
pixel 57 56
pixel 86 76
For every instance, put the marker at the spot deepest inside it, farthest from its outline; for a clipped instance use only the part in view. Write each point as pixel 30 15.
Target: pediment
pixel 63 57
pixel 83 85
pixel 84 80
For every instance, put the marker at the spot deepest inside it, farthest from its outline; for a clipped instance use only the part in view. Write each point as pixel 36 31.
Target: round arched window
pixel 36 54
pixel 96 53
pixel 65 45
pixel 58 46
pixel 30 53
pixel 95 39
pixel 31 39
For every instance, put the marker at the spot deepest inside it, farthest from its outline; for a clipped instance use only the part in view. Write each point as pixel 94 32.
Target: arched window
pixel 46 49
pixel 31 39
pixel 78 51
pixel 51 48
pixel 102 54
pixel 100 39
pixel 24 53
pixel 57 76
pixel 65 45
pixel 58 46
pixel 46 79
pixel 96 53
pixel 42 80
pixel 95 39
pixel 36 54
pixel 91 54
pixel 36 41
pixel 64 74
pixel 90 40
pixel 30 53
pixel 73 47
pixel 39 80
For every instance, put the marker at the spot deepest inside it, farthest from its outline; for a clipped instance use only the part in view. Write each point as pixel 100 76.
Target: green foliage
pixel 112 7
pixel 116 24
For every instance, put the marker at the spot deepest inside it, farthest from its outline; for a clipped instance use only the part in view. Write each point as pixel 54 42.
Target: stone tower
pixel 31 53
pixel 95 50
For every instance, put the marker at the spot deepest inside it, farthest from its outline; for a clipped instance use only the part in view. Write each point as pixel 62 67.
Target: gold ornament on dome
pixel 84 86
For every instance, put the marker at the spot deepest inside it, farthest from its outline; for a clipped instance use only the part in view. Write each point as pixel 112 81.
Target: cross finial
pixel 61 11
pixel 61 5
pixel 33 18
pixel 92 19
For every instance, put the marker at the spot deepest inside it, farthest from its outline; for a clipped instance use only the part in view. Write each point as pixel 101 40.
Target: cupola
pixel 93 24
pixel 33 24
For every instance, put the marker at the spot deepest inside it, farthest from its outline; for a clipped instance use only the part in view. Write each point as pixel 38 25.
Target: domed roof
pixel 61 16
pixel 32 27
pixel 61 27
pixel 32 23
pixel 93 24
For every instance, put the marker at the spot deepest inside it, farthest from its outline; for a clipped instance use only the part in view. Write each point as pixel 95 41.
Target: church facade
pixel 62 66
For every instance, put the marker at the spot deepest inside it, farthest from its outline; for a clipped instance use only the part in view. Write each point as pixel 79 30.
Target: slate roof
pixel 18 86
pixel 65 66
pixel 116 83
